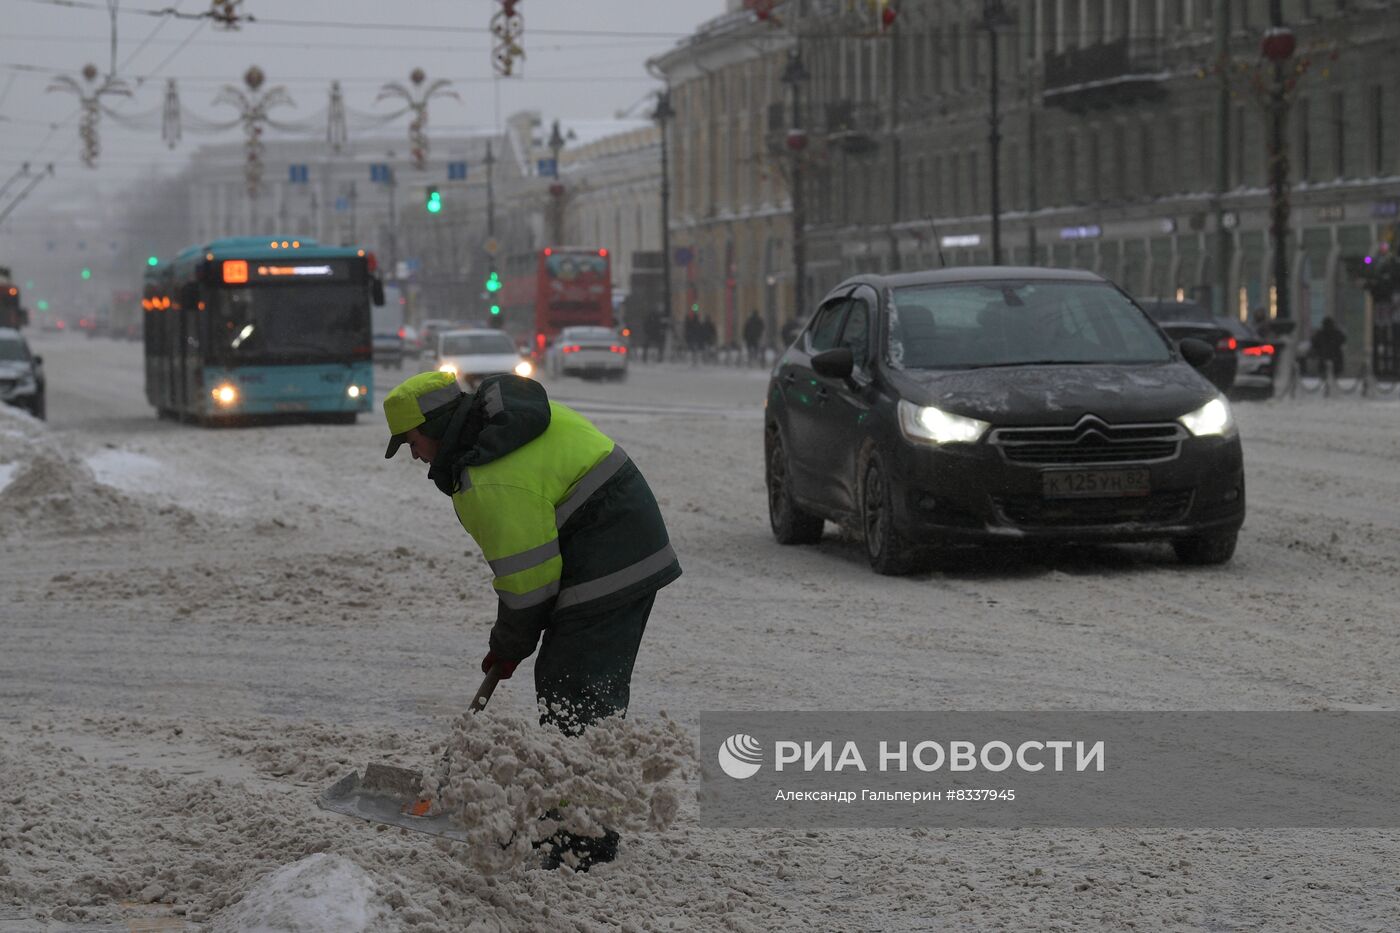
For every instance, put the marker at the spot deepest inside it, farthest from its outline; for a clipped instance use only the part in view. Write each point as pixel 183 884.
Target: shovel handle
pixel 488 687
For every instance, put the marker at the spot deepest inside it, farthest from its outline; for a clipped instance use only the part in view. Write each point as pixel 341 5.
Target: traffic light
pixel 493 284
pixel 87 273
pixel 433 203
pixel 495 315
pixel 152 261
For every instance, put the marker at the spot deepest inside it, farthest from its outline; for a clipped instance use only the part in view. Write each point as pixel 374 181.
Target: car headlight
pixel 929 425
pixel 447 368
pixel 524 368
pixel 1212 418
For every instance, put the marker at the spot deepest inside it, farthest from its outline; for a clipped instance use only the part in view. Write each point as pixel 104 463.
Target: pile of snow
pixel 46 490
pixel 318 894
pixel 501 775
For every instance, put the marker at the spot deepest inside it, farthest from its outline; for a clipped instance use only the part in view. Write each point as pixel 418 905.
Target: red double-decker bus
pixel 553 288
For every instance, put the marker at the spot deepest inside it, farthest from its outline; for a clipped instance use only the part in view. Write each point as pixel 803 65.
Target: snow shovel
pixel 394 796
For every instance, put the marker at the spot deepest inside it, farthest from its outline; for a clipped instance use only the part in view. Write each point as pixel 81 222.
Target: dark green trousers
pixel 584 669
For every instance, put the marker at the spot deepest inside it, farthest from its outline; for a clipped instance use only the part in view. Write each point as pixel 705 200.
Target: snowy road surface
pixel 202 628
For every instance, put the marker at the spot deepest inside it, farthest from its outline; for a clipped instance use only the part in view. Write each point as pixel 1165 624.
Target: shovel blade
pixel 387 795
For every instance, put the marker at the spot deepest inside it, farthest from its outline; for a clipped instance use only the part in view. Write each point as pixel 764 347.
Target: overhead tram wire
pixel 377 27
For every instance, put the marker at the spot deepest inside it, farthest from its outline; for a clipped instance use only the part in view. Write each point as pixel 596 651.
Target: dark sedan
pixel 1182 319
pixel 982 405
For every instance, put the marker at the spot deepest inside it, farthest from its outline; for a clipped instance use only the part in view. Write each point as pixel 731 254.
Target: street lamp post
pixel 1277 47
pixel 993 16
pixel 663 114
pixel 556 142
pixel 795 75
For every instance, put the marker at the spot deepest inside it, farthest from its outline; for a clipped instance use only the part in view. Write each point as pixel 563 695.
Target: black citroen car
pixel 983 405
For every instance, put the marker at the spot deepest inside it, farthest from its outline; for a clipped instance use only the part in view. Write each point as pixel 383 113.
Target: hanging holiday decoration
pixel 253 109
pixel 508 26
pixel 417 99
pixel 89 97
pixel 170 115
pixel 337 133
pixel 225 14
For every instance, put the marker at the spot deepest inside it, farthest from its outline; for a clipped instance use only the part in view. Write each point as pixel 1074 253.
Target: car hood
pixel 484 362
pixel 1036 395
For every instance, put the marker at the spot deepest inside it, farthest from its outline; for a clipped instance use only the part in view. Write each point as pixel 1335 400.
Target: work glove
pixel 507 667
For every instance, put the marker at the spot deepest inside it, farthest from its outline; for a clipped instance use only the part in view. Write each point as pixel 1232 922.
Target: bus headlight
pixel 524 368
pixel 226 395
pixel 355 391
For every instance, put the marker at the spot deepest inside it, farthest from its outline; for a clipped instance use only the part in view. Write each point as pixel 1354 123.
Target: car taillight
pixel 1264 349
pixel 618 349
pixel 569 349
pixel 400 333
pixel 1227 343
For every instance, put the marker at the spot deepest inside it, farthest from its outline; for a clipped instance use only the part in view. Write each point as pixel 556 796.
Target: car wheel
pixel 889 553
pixel 791 525
pixel 1203 550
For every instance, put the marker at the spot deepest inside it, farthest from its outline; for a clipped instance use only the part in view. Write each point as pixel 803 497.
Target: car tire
pixel 890 554
pixel 1206 550
pixel 791 525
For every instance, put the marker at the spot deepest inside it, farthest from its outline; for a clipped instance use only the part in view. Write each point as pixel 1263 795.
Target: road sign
pixel 298 174
pixel 456 171
pixel 547 168
pixel 379 172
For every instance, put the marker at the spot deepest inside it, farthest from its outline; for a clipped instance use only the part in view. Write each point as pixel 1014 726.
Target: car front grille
pixel 1091 441
pixel 1158 508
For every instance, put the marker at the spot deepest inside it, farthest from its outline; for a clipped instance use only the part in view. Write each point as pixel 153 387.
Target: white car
pixel 471 355
pixel 590 352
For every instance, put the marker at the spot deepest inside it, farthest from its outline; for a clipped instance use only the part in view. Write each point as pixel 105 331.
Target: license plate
pixel 1066 484
pixel 291 406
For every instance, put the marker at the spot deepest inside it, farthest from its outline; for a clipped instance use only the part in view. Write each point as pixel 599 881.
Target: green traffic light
pixel 493 282
pixel 43 305
pixel 87 273
pixel 495 309
pixel 152 261
pixel 434 203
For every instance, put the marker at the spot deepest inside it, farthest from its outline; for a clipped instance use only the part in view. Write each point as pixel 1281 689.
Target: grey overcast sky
pixel 584 61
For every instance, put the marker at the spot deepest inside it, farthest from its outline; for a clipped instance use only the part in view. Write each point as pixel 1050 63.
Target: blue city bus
pixel 247 328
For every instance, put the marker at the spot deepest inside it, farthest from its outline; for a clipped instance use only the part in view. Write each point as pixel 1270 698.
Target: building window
pixel 974 61
pixel 1304 117
pixel 972 182
pixel 1339 134
pixel 1145 167
pixel 1377 131
pixel 1071 169
pixel 1120 162
pixel 1239 146
pixel 1095 167
pixel 1203 161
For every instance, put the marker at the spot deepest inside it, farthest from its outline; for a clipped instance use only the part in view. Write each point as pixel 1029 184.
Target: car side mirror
pixel 376 291
pixel 836 363
pixel 1196 352
pixel 38 360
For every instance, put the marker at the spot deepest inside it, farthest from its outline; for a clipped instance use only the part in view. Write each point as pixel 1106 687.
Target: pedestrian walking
pixel 753 337
pixel 1327 347
pixel 570 529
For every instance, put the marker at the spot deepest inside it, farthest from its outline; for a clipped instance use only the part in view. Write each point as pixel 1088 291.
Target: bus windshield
pixel 290 323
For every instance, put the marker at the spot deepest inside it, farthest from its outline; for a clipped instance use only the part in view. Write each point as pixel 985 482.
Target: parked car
pixel 590 352
pixel 471 355
pixel 1254 374
pixel 21 373
pixel 1181 319
pixel 984 405
pixel 433 326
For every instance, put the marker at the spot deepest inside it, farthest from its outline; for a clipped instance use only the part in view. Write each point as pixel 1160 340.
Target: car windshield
pixel 1170 312
pixel 1008 323
pixel 476 344
pixel 12 351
